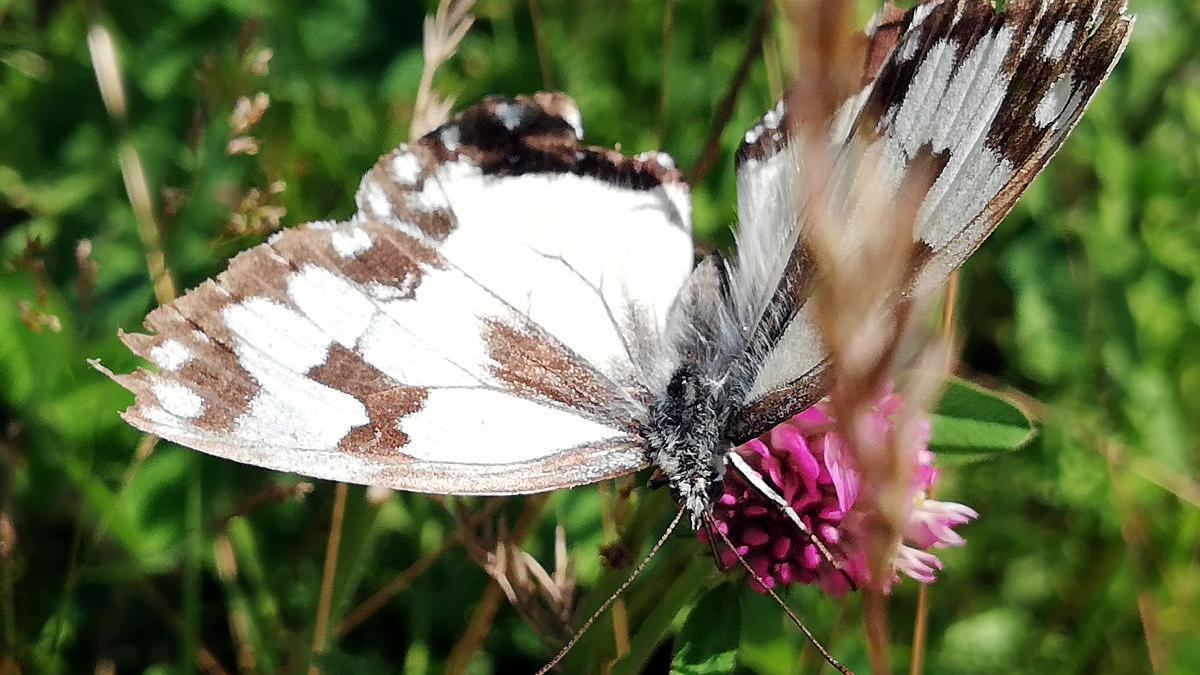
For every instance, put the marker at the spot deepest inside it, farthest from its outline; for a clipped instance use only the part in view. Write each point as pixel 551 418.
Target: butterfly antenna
pixel 712 544
pixel 756 482
pixel 775 596
pixel 562 653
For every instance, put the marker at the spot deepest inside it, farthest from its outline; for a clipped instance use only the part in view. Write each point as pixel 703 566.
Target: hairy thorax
pixel 685 439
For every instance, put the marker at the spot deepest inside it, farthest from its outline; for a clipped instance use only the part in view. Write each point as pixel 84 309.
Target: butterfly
pixel 511 311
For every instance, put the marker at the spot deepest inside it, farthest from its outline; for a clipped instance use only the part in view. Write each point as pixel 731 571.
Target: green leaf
pixel 972 423
pixel 708 643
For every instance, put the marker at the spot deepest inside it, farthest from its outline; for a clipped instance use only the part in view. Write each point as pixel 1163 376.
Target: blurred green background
pixel 119 556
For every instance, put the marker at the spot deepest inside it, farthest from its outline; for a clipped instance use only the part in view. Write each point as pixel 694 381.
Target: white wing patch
pixel 332 303
pixel 967 104
pixel 279 333
pixel 490 427
pixel 405 167
pixel 178 400
pixel 616 259
pixel 1060 40
pixel 436 340
pixel 1056 101
pixel 350 244
pixel 170 355
pixel 292 410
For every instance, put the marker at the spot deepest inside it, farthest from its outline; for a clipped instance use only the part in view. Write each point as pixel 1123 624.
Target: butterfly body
pixel 687 440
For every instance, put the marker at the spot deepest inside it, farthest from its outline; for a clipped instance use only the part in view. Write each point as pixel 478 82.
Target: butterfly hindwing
pixel 967 102
pixel 480 326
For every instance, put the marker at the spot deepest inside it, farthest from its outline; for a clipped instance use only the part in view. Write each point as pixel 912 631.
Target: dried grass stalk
pixel 107 69
pixel 860 235
pixel 544 599
pixel 444 32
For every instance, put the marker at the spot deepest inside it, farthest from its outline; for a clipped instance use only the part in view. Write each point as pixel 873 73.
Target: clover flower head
pixel 806 460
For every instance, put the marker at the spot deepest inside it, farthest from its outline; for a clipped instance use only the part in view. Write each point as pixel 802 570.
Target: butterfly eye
pixel 682 384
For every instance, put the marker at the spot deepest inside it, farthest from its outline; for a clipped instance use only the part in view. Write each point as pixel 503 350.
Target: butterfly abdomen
pixel 685 437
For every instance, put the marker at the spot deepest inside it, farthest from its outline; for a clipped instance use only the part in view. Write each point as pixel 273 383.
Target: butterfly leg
pixel 756 483
pixel 710 534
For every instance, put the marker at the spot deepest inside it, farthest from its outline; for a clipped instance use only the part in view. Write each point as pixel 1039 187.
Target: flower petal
pixel 845 478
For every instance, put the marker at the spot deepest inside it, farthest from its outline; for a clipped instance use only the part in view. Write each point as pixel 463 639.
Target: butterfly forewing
pixel 963 101
pixel 481 326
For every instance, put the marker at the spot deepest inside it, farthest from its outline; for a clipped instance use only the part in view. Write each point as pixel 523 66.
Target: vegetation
pixel 120 554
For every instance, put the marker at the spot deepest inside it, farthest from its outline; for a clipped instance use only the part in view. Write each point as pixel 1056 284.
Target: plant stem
pixel 193 550
pixel 620 615
pixel 1133 533
pixel 712 145
pixel 477 630
pixel 665 78
pixel 921 620
pixel 875 621
pixel 539 39
pixel 325 601
pixel 920 630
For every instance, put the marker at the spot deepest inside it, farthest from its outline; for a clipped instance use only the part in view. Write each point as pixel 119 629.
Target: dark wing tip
pixel 538 133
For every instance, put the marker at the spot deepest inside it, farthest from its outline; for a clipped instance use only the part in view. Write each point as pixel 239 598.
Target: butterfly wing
pixel 480 326
pixel 975 99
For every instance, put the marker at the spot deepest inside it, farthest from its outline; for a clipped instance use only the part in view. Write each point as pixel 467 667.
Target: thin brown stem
pixel 9 638
pixel 875 622
pixel 539 39
pixel 111 83
pixel 269 496
pixel 949 309
pixel 921 620
pixel 1173 482
pixel 665 77
pixel 239 622
pixel 325 600
pixel 477 630
pixel 107 69
pixel 393 588
pixel 920 631
pixel 712 145
pixel 1133 533
pixel 138 190
pixel 620 618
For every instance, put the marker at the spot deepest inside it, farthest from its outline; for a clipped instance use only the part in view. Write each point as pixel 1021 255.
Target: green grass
pixel 1087 300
